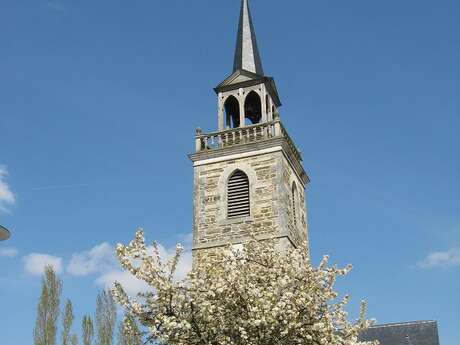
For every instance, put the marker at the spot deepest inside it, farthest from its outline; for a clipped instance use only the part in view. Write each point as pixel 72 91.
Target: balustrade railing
pixel 243 135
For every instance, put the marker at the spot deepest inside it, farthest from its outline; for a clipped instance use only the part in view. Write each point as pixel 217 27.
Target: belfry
pixel 248 175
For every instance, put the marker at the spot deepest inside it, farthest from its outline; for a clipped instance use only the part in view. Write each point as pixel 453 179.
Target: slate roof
pixel 247 55
pixel 410 333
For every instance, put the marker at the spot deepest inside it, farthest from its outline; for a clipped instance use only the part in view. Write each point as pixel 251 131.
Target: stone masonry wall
pixel 211 225
pixel 296 230
pixel 270 179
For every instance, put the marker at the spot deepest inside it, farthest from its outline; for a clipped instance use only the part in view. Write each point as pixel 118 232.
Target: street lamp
pixel 4 233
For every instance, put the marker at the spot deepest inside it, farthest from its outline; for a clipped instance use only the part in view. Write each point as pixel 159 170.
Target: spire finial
pixel 247 55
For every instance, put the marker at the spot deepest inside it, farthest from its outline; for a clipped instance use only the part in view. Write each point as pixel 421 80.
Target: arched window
pixel 238 203
pixel 294 196
pixel 232 111
pixel 253 108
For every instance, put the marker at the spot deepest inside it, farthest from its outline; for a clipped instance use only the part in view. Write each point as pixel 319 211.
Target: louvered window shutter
pixel 238 195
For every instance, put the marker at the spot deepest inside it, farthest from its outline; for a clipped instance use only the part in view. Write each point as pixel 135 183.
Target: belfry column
pixel 270 112
pixel 242 114
pixel 220 106
pixel 263 101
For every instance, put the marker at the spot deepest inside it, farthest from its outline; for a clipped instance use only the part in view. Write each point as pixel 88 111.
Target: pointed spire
pixel 247 54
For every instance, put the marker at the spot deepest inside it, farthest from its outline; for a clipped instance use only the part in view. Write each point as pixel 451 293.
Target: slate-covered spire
pixel 247 54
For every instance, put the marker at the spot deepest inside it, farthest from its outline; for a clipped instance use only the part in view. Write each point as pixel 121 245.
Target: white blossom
pixel 255 295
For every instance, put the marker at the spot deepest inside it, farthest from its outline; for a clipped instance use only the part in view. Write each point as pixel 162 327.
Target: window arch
pixel 232 111
pixel 253 107
pixel 238 203
pixel 294 198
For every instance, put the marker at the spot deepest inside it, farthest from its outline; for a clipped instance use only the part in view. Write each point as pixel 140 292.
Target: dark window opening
pixel 232 111
pixel 253 108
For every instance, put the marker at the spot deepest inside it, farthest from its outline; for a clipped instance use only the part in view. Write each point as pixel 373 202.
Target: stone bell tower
pixel 248 175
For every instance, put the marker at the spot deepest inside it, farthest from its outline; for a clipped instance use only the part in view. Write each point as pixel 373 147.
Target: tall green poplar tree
pixel 67 323
pixel 48 309
pixel 105 318
pixel 87 330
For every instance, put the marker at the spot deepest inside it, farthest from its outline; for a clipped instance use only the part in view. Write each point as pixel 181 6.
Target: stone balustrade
pixel 243 135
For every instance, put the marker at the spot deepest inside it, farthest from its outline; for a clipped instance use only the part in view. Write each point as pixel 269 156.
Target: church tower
pixel 248 175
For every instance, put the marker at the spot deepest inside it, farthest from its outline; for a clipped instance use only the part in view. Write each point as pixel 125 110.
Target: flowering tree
pixel 257 295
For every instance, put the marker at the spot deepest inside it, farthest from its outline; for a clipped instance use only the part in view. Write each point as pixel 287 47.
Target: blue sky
pixel 98 105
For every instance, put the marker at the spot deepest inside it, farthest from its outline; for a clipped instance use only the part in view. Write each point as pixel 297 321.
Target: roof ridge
pixel 403 323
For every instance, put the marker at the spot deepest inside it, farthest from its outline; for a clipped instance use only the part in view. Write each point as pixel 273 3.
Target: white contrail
pixel 62 186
